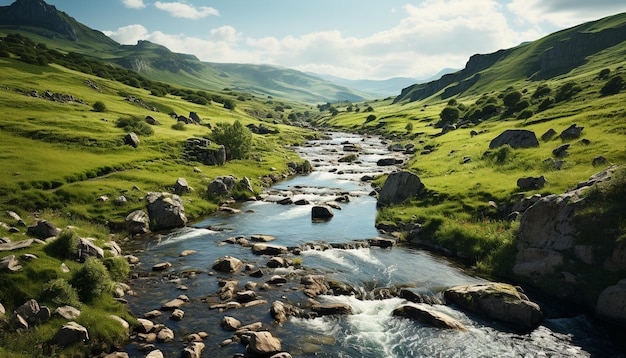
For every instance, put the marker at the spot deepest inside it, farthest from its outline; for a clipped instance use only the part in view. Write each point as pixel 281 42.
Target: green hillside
pixel 58 30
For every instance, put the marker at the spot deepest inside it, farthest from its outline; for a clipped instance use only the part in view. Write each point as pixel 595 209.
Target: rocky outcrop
pixel 166 211
pixel 531 183
pixel 321 212
pixel 43 230
pixel 498 301
pixel 562 240
pixel 201 150
pixel 400 186
pixel 132 139
pixel 70 333
pixel 222 185
pixel 611 304
pixel 516 138
pixel 137 222
pixel 182 187
pixel 263 344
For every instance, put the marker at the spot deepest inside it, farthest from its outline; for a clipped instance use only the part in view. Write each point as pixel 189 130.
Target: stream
pixel 371 331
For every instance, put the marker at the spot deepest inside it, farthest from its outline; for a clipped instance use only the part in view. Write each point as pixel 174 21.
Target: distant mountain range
pixel 383 88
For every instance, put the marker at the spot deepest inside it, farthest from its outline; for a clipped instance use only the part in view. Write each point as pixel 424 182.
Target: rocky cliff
pixel 37 13
pixel 571 245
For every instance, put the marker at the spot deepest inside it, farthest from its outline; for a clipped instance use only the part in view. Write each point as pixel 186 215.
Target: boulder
pixel 262 238
pixel 263 344
pixel 151 121
pixel 144 325
pixel 549 134
pixel 230 323
pixel 227 264
pixel 499 301
pixel 222 185
pixel 611 305
pixel 399 186
pixel 561 151
pixel 2 310
pixel 166 211
pixel 572 132
pixel 137 222
pixel 70 333
pixel 87 249
pixel 132 139
pixel 333 309
pixel 385 162
pixel 43 230
pixel 15 245
pixel 314 285
pixel 165 335
pixel 516 138
pixel 531 183
pixel 427 315
pixel 177 315
pixel 599 160
pixel 194 350
pixel 195 117
pixel 10 263
pixel 266 249
pixel 155 354
pixel 201 150
pixel 323 212
pixel 182 187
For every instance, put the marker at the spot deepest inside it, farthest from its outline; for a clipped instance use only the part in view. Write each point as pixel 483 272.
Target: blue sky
pixel 355 39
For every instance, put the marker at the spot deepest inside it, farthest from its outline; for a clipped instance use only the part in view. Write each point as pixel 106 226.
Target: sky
pixel 352 39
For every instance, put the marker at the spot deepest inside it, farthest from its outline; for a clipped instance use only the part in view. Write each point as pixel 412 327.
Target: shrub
pixel 512 98
pixel 92 280
pixel 229 104
pixel 370 118
pixel 64 247
pixel 449 115
pixel 525 114
pixel 134 124
pixel 179 126
pixel 545 104
pixel 99 106
pixel 118 267
pixel 236 139
pixel 59 292
pixel 542 91
pixel 566 91
pixel 522 105
pixel 612 86
pixel 604 74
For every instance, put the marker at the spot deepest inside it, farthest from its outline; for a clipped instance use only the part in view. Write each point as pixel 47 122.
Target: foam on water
pixel 184 234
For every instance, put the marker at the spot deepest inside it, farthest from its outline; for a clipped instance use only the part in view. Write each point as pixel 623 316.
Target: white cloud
pixel 134 4
pixel 564 13
pixel 186 11
pixel 433 35
pixel 128 35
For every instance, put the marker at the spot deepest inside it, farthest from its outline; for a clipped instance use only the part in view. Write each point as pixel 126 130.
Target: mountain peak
pixel 37 13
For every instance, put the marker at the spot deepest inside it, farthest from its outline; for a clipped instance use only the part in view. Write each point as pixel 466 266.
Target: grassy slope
pixel 63 156
pixel 458 214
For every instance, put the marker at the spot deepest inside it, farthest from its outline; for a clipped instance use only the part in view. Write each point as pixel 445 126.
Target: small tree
pixel 449 115
pixel 99 106
pixel 229 104
pixel 236 139
pixel 512 98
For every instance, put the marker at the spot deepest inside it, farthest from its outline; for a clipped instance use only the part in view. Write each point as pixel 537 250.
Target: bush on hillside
pixel 236 139
pixel 567 91
pixel 512 98
pixel 119 268
pixel 99 106
pixel 134 124
pixel 449 115
pixel 59 292
pixel 92 280
pixel 541 91
pixel 64 246
pixel 613 86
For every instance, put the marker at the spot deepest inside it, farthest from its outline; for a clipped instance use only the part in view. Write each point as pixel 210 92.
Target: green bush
pixel 92 280
pixel 449 115
pixel 511 98
pixel 370 118
pixel 179 126
pixel 119 268
pixel 64 246
pixel 134 124
pixel 525 114
pixel 59 292
pixel 236 139
pixel 99 106
pixel 612 86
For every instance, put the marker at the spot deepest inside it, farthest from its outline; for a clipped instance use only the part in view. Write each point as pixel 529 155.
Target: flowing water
pixel 371 331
